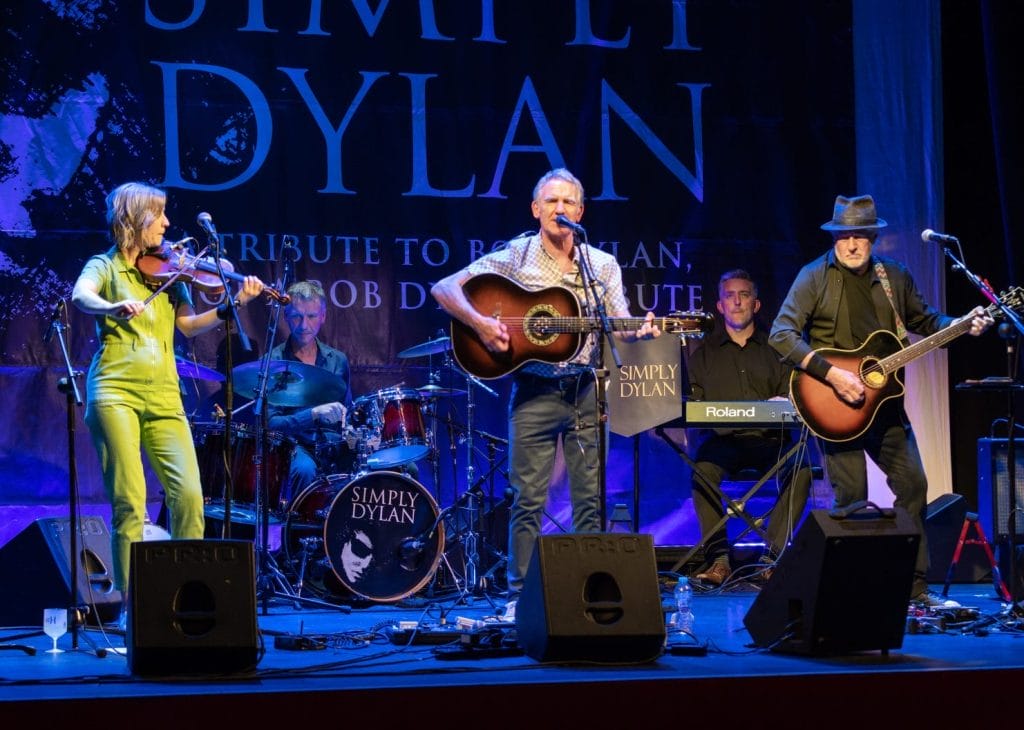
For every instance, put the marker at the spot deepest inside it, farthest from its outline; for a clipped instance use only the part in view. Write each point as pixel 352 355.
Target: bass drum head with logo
pixel 382 536
pixel 302 539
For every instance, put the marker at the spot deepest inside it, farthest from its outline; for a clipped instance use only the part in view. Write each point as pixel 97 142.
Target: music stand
pixel 645 393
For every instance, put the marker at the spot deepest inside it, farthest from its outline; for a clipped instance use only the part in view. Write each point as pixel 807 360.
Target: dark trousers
pixel 891 444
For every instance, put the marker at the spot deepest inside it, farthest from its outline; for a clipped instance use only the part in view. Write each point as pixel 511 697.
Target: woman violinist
pixel 133 394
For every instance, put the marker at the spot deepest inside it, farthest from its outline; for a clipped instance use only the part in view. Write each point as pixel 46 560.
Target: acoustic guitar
pixel 878 363
pixel 544 325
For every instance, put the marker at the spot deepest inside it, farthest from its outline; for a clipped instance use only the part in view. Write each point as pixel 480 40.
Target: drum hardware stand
pixel 271 582
pixel 67 385
pixel 472 501
pixel 472 493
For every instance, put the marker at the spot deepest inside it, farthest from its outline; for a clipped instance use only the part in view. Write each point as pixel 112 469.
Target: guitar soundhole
pixel 539 324
pixel 872 375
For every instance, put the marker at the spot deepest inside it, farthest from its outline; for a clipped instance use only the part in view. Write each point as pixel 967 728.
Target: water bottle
pixel 683 618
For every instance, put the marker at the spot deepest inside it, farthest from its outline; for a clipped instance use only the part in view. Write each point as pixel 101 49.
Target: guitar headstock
pixel 1013 298
pixel 691 323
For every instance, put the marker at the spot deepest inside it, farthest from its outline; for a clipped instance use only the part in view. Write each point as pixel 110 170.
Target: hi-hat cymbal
pixel 430 347
pixel 436 391
pixel 188 369
pixel 290 383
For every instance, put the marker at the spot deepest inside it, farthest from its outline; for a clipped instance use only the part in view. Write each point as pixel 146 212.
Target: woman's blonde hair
pixel 131 207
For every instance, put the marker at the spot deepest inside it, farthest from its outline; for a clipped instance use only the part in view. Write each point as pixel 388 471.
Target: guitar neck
pixel 929 343
pixel 577 325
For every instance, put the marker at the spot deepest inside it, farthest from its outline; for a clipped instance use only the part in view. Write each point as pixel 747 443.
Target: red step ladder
pixel 997 580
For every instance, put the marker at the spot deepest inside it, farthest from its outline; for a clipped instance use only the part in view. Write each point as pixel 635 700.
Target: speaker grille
pixel 994 487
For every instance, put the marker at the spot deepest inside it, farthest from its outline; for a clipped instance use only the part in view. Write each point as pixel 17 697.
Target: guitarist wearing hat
pixel 856 309
pixel 550 402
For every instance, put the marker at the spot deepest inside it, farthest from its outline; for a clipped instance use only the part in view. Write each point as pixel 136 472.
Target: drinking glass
pixel 55 625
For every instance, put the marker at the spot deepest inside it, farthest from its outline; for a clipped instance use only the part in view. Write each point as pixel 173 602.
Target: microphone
pixel 288 255
pixel 410 552
pixel 205 221
pixel 571 225
pixel 54 319
pixel 930 236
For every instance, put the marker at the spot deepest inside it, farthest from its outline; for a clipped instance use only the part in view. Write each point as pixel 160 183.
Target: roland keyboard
pixel 738 413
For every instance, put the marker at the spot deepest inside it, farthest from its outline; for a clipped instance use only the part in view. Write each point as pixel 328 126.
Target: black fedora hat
pixel 854 214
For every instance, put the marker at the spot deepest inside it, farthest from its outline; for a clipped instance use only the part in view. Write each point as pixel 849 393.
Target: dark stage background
pixel 393 142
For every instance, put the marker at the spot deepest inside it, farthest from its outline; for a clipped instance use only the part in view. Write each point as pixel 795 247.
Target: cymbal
pixel 188 369
pixel 430 347
pixel 290 383
pixel 436 391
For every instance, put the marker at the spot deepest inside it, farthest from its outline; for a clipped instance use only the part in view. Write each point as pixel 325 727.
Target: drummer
pixel 305 315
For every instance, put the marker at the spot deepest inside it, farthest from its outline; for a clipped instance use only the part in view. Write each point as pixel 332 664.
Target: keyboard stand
pixel 734 507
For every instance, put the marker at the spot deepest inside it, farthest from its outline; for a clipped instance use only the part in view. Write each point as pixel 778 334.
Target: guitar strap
pixel 901 330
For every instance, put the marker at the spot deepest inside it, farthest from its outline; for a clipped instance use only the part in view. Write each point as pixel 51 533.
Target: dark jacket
pixel 812 307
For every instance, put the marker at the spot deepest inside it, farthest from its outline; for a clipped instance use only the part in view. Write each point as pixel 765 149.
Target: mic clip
pixel 55 316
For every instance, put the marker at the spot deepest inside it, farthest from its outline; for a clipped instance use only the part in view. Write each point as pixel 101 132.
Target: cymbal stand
pixel 474 498
pixel 473 583
pixel 469 543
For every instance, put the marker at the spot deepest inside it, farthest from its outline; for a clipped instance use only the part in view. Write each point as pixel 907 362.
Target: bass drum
pixel 378 536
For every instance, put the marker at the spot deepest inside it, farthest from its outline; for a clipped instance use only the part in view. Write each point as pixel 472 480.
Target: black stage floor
pixel 360 675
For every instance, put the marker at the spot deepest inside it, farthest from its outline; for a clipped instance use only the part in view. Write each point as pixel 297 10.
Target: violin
pixel 170 262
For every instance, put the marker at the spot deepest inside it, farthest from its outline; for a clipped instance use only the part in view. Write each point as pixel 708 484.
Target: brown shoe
pixel 716 575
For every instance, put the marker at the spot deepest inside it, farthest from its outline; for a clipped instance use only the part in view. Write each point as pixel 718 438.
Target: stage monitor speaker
pixel 591 597
pixel 35 572
pixel 943 523
pixel 841 587
pixel 192 607
pixel 994 488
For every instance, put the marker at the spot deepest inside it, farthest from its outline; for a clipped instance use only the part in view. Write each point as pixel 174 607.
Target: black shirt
pixel 722 370
pixel 857 318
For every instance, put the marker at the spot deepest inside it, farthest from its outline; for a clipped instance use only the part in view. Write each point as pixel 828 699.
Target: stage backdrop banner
pixel 390 144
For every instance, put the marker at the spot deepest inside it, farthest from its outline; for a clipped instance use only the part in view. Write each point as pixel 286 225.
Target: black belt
pixel 579 378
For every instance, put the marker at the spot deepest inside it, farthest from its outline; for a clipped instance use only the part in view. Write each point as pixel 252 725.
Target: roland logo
pixel 730 412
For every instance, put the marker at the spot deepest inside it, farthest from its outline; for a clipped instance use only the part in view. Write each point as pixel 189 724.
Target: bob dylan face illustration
pixel 356 555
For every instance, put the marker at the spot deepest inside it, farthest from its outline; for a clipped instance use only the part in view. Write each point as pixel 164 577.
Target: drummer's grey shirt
pixel 298 422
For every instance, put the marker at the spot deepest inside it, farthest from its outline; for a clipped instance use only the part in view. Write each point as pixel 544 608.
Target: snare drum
pixel 209 443
pixel 394 419
pixel 378 533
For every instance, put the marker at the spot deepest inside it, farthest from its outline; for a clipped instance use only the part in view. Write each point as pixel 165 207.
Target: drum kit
pixel 370 532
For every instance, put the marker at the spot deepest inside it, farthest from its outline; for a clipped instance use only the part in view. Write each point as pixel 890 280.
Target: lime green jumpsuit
pixel 134 400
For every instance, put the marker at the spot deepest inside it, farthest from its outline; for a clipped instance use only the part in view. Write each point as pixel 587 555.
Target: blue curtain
pixel 898 117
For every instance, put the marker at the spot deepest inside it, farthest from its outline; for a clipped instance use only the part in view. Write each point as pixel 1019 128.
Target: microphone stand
pixel 68 385
pixel 213 242
pixel 1011 444
pixel 600 374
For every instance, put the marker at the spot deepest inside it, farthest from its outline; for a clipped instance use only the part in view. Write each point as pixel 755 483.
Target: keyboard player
pixel 736 363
